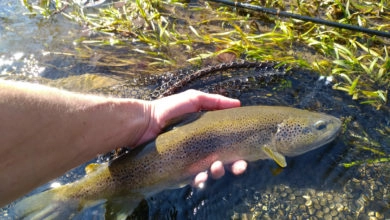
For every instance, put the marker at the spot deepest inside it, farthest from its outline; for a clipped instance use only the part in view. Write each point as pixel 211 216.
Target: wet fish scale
pixel 174 157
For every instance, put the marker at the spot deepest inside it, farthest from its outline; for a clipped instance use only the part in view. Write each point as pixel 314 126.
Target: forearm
pixel 45 132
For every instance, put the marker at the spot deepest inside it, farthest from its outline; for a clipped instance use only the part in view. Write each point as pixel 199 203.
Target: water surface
pixel 344 179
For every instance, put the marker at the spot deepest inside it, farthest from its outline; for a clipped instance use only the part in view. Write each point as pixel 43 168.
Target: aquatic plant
pixel 175 33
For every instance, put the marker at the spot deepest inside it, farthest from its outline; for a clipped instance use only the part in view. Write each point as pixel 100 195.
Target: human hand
pixel 165 109
pixel 217 171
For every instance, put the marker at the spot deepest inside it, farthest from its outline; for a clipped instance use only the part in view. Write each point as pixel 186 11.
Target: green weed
pixel 209 30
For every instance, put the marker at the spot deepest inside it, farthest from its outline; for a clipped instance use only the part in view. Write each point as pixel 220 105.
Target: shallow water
pixel 316 185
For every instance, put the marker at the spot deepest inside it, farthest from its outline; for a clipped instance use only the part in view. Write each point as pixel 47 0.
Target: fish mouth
pixel 330 136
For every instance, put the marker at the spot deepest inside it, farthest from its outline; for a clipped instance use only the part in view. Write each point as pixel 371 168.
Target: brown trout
pixel 174 157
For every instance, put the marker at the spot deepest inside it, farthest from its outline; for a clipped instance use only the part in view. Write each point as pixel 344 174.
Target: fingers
pixel 194 101
pixel 200 179
pixel 187 102
pixel 239 167
pixel 205 101
pixel 217 170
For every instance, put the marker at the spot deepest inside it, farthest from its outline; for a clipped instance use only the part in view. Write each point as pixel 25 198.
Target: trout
pixel 176 156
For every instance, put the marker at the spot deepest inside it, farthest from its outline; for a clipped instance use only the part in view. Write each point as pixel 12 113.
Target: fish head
pixel 303 132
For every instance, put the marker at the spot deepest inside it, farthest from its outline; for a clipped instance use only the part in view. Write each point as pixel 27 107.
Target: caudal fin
pixel 56 204
pixel 45 205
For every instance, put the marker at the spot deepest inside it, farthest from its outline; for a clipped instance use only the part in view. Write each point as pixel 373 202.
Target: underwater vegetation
pixel 152 45
pixel 178 33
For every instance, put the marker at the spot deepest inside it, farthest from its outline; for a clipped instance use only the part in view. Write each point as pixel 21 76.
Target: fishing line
pixel 303 18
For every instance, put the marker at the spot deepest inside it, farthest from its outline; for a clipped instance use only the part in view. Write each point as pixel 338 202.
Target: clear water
pixel 315 185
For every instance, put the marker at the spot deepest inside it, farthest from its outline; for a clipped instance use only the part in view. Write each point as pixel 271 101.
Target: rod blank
pixel 304 18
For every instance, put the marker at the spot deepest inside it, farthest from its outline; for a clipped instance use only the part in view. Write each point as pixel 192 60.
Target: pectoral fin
pixel 276 156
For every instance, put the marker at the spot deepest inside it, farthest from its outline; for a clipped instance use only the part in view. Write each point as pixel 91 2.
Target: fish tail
pixel 45 205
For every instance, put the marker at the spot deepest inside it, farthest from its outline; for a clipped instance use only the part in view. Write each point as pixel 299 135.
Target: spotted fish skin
pixel 174 157
pixel 226 135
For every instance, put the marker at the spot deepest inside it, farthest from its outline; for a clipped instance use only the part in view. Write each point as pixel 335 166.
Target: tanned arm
pixel 45 132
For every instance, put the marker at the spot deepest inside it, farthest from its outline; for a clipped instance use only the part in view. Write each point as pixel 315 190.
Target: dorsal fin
pixel 276 156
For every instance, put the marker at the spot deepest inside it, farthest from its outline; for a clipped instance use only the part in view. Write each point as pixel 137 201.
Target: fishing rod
pixel 303 18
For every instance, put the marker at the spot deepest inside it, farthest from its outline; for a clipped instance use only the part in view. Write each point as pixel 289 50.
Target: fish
pixel 175 156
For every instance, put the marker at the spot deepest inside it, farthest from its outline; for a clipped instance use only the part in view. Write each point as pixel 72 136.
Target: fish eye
pixel 320 125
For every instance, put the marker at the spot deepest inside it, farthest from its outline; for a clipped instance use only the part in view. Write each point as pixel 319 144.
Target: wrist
pixel 120 122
